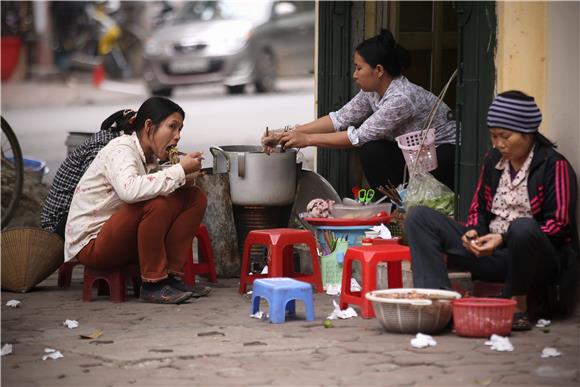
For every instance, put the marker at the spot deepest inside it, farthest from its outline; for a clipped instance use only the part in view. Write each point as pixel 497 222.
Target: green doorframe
pixel 477 23
pixel 334 84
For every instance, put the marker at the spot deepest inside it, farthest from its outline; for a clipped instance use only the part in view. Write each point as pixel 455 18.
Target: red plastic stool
pixel 207 267
pixel 65 273
pixel 115 279
pixel 279 242
pixel 369 257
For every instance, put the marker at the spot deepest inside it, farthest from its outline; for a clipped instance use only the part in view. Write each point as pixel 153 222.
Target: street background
pixel 43 113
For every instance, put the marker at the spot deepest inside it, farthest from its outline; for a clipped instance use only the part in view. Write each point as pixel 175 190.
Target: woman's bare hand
pixel 485 246
pixel 469 239
pixel 481 246
pixel 270 140
pixel 191 162
pixel 294 139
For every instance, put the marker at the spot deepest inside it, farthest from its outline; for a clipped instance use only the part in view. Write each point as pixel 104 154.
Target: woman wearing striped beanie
pixel 521 230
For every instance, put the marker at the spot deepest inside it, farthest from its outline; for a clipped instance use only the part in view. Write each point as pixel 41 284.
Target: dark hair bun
pixel 119 121
pixel 383 49
pixel 388 39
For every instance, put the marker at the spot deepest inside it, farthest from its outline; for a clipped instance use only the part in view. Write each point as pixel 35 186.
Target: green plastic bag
pixel 425 190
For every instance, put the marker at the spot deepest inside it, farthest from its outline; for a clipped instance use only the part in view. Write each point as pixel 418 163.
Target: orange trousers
pixel 157 233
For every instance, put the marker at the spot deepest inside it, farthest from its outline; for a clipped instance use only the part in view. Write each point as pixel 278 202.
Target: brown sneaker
pixel 200 291
pixel 196 290
pixel 163 293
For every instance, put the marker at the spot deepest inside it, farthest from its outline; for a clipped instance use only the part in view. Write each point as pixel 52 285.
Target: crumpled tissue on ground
pixel 6 349
pixel 260 315
pixel 543 323
pixel 422 341
pixel 52 354
pixel 500 343
pixel 342 314
pixel 336 289
pixel 13 303
pixel 383 231
pixel 550 352
pixel 333 289
pixel 71 324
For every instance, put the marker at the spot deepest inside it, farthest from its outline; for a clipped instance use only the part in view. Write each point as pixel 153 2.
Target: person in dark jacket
pixel 521 228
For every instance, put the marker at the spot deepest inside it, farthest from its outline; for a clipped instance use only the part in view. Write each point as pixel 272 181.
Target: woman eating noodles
pixel 126 209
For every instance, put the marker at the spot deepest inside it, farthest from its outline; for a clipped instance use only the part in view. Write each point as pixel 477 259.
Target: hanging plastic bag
pixel 425 190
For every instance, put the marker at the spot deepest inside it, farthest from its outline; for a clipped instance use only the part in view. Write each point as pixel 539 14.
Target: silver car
pixel 235 43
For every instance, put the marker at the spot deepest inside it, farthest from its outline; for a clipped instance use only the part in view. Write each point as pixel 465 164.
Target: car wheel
pixel 265 72
pixel 236 89
pixel 162 91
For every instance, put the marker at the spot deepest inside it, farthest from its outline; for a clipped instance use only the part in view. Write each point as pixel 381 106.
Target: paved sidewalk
pixel 76 91
pixel 213 342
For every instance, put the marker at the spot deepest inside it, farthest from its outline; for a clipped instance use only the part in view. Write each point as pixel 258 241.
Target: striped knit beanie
pixel 514 111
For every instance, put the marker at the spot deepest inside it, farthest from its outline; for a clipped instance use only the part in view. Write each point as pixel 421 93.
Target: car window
pixel 222 10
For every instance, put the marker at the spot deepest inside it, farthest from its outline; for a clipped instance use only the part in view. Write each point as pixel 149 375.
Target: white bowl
pixel 403 315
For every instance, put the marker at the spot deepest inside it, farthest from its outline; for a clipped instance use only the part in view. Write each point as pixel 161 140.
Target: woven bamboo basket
pixel 396 226
pixel 29 256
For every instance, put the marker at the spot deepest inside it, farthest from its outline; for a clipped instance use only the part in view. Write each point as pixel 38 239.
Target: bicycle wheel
pixel 12 172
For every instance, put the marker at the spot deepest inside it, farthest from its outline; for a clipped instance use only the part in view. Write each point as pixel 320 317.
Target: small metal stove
pixel 248 218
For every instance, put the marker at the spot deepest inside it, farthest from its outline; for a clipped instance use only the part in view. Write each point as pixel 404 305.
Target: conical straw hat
pixel 29 256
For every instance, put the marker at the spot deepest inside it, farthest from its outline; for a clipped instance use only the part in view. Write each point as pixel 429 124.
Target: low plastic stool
pixel 281 294
pixel 115 279
pixel 369 257
pixel 205 268
pixel 65 273
pixel 279 242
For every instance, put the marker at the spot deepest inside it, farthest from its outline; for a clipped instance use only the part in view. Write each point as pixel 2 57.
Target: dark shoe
pixel 163 293
pixel 196 290
pixel 521 322
pixel 200 291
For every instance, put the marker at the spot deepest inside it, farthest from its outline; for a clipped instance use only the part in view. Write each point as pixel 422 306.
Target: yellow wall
pixel 521 49
pixel 538 52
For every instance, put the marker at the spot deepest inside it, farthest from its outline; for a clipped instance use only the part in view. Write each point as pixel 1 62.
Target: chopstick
pixel 391 192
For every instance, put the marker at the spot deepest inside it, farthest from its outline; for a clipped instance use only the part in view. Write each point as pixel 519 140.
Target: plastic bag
pixel 425 190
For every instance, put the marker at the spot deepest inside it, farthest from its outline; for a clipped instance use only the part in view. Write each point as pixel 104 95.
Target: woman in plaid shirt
pixel 55 209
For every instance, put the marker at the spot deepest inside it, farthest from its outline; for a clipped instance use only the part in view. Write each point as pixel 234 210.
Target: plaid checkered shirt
pixel 59 197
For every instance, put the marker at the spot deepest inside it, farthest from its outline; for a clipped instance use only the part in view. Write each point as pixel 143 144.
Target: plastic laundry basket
pixel 410 144
pixel 482 317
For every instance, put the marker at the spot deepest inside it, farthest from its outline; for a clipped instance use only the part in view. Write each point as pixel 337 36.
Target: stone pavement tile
pixel 544 376
pixel 423 375
pixel 213 341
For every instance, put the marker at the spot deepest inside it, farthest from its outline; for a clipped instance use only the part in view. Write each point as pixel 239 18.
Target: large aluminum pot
pixel 257 179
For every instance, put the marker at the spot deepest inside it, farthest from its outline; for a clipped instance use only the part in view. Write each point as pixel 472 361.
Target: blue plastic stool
pixel 281 294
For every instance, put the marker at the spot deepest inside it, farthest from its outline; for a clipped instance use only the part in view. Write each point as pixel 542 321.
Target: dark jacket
pixel 552 191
